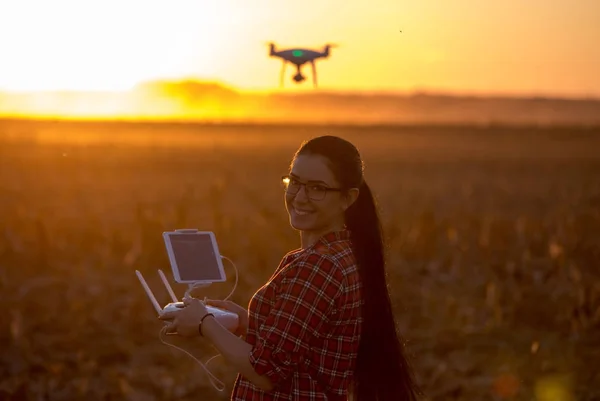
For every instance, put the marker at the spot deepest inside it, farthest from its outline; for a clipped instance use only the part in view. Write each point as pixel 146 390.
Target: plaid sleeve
pixel 306 295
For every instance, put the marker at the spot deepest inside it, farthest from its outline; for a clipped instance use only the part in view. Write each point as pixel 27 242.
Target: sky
pixel 533 47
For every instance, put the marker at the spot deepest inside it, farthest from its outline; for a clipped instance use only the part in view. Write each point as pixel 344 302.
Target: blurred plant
pixel 487 257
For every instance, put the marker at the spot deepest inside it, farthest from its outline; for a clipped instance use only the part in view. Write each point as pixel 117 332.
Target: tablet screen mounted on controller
pixel 194 257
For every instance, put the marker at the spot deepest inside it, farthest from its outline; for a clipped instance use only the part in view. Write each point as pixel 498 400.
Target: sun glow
pixel 102 46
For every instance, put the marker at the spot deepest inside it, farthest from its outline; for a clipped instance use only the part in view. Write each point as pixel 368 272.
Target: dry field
pixel 494 251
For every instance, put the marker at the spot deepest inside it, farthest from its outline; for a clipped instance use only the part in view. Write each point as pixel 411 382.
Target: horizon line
pixel 433 92
pixel 287 123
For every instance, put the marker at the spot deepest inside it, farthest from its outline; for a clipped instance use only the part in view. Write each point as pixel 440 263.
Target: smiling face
pixel 316 217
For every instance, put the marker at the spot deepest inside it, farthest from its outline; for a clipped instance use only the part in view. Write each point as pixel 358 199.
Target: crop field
pixel 493 249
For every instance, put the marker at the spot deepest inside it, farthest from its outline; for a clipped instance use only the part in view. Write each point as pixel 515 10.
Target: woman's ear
pixel 350 197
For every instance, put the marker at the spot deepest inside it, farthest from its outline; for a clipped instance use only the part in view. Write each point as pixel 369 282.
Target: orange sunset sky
pixel 545 47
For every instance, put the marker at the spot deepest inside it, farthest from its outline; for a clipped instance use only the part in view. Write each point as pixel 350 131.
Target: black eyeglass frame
pixel 306 185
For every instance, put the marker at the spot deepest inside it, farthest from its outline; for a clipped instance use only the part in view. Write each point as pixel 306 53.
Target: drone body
pixel 299 57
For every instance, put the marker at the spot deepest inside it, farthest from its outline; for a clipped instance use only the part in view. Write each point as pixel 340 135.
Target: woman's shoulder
pixel 336 247
pixel 333 257
pixel 331 252
pixel 288 259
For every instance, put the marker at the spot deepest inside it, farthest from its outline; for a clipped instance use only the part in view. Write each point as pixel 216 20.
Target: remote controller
pixel 227 319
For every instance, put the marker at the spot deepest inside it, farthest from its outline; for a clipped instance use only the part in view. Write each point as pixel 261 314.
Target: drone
pixel 299 57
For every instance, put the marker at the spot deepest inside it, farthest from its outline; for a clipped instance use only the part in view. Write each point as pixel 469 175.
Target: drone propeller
pixel 271 47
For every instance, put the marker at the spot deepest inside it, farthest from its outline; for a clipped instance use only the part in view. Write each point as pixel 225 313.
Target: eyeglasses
pixel 314 192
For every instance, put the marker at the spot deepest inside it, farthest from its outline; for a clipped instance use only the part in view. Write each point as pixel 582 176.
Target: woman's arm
pixel 235 351
pixel 231 306
pixel 304 299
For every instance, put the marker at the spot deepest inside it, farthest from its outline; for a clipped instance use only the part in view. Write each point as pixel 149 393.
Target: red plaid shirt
pixel 304 325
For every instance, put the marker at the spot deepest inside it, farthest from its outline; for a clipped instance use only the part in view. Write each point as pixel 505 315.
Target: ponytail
pixel 382 371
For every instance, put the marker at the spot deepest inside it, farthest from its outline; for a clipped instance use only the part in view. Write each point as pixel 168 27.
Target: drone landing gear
pixel 282 75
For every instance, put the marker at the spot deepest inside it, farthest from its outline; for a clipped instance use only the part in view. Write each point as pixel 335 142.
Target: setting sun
pixel 110 45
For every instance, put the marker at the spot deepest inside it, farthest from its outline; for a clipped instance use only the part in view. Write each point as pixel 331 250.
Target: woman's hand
pixel 185 321
pixel 234 308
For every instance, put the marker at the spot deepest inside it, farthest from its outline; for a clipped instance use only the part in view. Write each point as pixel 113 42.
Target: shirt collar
pixel 334 236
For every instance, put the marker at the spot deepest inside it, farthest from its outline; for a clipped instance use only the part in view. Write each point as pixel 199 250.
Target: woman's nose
pixel 301 194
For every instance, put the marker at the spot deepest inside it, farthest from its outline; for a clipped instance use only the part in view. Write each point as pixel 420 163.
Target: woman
pixel 322 327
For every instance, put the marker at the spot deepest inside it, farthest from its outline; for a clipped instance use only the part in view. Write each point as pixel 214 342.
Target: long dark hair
pixel 382 370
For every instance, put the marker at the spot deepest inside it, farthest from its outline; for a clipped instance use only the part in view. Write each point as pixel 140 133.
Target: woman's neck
pixel 308 238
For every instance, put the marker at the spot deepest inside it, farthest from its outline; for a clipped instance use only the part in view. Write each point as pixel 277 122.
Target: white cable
pixel 236 277
pixel 200 285
pixel 216 383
